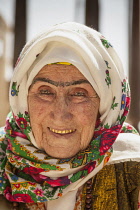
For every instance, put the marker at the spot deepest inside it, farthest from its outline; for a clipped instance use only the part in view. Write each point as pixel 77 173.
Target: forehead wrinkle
pixel 60 83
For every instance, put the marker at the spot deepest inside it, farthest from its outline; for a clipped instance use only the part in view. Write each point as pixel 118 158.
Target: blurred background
pixel 117 20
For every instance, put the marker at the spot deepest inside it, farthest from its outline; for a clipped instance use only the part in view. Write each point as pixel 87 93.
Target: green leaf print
pixel 106 126
pixel 14 89
pixel 107 64
pixel 106 43
pixel 107 79
pixel 114 104
pixel 76 176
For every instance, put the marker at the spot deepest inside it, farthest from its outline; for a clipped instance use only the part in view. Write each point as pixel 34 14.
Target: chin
pixel 62 153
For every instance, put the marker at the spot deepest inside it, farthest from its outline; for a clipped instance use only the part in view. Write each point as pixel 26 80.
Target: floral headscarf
pixel 29 174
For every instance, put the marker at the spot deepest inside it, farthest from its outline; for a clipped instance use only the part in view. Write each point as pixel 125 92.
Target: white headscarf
pixel 96 59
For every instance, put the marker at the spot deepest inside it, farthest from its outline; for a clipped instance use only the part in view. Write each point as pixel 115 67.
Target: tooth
pixel 58 131
pixel 61 132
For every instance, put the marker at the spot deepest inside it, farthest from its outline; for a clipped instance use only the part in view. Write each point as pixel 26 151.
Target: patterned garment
pixel 115 186
pixel 25 170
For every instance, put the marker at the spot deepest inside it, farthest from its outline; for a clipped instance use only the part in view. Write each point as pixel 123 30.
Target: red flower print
pixel 17 185
pixel 22 122
pixel 38 192
pixel 108 138
pixel 17 157
pixel 24 198
pixel 107 72
pixel 32 170
pixel 80 157
pixel 89 167
pixel 99 132
pixel 125 112
pixel 126 109
pixel 15 133
pixel 39 177
pixel 5 176
pixel 62 181
pixel 7 193
pixel 128 100
pixel 7 126
pixel 9 147
pixel 129 127
pixel 11 160
pixel 32 183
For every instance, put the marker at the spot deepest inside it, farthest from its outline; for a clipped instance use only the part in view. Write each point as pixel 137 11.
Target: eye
pixel 46 93
pixel 78 95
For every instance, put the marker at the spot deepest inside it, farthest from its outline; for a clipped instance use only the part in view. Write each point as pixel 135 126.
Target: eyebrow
pixel 60 84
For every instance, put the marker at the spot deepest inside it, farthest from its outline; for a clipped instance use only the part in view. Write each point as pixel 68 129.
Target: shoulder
pixel 125 174
pixel 126 149
pixel 4 204
pixel 117 185
pixel 130 170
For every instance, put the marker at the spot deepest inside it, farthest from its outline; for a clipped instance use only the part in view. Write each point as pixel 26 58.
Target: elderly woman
pixel 65 144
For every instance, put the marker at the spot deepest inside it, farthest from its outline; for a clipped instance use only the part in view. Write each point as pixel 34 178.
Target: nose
pixel 61 110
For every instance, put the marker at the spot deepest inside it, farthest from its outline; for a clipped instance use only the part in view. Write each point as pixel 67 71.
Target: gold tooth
pixel 58 131
pixel 63 132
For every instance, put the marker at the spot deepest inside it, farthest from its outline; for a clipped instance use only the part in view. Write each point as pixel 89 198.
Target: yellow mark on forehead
pixel 63 63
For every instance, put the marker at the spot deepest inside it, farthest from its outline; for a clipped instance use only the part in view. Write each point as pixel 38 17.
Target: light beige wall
pixel 4 85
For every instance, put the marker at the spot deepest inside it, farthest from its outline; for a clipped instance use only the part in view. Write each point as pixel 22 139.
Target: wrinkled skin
pixel 62 112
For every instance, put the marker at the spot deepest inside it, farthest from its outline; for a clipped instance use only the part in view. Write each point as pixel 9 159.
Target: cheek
pixel 36 118
pixel 87 114
pixel 36 110
pixel 87 123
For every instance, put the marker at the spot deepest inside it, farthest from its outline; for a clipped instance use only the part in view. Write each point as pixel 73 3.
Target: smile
pixel 61 131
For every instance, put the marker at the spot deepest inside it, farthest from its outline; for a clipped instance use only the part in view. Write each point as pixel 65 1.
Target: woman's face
pixel 63 109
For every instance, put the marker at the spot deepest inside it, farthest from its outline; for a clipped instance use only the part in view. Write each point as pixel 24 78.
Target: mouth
pixel 62 132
